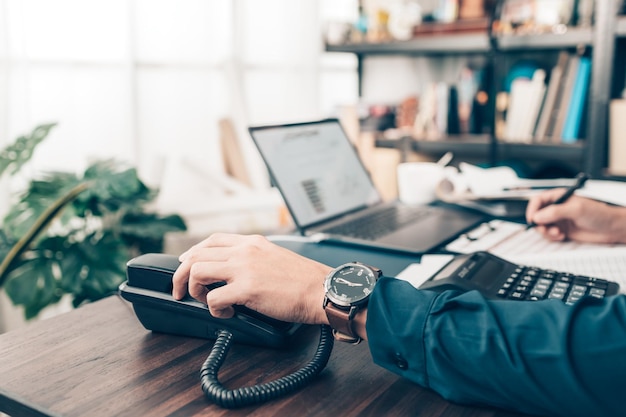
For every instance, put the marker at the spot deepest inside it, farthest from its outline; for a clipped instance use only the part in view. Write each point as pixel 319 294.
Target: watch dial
pixel 351 284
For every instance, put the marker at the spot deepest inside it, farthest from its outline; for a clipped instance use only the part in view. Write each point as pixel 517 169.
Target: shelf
pixel 573 37
pixel 481 145
pixel 568 152
pixel 466 145
pixel 473 42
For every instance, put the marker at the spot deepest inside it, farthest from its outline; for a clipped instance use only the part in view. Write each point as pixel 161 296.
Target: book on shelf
pixel 554 85
pixel 566 95
pixel 617 137
pixel 536 94
pixel 524 102
pixel 561 118
pixel 571 129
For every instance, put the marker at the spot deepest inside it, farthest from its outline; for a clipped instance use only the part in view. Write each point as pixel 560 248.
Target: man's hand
pixel 579 218
pixel 258 274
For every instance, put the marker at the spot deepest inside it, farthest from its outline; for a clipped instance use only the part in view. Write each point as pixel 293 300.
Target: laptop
pixel 331 196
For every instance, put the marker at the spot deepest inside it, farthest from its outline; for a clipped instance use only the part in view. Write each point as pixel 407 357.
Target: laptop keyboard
pixel 380 223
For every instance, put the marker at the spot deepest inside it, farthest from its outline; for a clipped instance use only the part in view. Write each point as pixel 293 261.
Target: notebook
pixel 331 196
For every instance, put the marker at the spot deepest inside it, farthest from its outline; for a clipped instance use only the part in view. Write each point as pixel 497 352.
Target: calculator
pixel 498 278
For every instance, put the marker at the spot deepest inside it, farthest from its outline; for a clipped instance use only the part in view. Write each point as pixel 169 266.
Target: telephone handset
pixel 149 288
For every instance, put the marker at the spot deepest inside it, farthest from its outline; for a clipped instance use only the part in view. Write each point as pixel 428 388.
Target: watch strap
pixel 342 323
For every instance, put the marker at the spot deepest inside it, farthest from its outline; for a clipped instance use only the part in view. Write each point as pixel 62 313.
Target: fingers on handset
pixel 179 281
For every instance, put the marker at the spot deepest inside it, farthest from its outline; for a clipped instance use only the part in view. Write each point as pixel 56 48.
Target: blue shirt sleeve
pixel 541 357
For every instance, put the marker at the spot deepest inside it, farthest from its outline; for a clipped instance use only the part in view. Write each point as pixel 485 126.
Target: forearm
pixel 544 358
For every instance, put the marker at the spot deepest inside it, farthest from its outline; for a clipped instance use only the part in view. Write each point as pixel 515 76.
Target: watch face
pixel 350 283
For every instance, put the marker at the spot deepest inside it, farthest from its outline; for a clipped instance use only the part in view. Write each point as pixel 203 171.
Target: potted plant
pixel 73 234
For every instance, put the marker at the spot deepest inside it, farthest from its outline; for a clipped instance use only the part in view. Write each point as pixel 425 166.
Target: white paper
pixel 504 238
pixel 418 273
pixel 499 183
pixel 613 192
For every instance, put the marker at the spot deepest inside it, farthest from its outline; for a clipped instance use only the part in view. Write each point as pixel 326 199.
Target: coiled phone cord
pixel 260 393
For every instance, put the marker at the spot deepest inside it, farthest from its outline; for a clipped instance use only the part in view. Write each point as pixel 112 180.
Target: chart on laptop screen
pixel 317 170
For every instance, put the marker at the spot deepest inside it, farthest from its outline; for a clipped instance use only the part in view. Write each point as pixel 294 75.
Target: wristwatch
pixel 348 288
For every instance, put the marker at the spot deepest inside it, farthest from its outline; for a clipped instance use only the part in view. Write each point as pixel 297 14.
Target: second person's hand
pixel 580 219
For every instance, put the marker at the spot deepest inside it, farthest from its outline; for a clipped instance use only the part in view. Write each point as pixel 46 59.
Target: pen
pixel 580 182
pixel 445 159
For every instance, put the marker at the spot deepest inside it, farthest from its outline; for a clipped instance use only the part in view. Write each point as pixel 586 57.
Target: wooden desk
pixel 99 361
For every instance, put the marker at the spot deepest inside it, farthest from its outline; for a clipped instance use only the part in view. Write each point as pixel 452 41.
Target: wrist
pixel 618 228
pixel 317 308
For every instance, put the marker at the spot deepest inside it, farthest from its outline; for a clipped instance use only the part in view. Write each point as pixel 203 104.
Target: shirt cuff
pixel 398 344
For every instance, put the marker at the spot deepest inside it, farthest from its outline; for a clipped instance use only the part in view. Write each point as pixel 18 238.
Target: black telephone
pixel 149 288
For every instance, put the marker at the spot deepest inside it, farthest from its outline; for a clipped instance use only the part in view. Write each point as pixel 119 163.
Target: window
pixel 143 80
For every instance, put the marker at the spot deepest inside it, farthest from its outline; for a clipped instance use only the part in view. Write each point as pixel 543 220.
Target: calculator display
pixel 479 269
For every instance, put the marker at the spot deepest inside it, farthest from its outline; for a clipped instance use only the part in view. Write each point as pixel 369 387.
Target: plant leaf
pixel 40 225
pixel 33 285
pixel 20 152
pixel 40 195
pixel 100 222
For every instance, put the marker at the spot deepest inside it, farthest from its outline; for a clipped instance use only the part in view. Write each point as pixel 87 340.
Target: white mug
pixel 417 182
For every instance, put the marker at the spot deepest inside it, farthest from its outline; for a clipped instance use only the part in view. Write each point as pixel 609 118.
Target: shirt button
pixel 401 362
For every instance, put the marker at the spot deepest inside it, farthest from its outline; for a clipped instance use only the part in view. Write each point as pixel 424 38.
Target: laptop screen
pixel 316 169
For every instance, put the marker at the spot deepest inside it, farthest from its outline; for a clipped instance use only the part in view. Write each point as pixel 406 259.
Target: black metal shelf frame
pixel 480 145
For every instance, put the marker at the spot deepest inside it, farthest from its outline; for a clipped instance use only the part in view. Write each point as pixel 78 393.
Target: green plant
pixel 73 234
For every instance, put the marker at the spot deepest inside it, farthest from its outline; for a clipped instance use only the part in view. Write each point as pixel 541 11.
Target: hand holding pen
pixel 580 182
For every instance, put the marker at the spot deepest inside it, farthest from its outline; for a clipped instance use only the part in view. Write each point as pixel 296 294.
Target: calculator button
pixel 502 292
pixel 522 288
pixel 570 302
pixel 563 285
pixel 597 292
pixel 577 294
pixel 538 293
pixel 597 284
pixel 556 295
pixel 544 281
pixel 591 284
pixel 516 295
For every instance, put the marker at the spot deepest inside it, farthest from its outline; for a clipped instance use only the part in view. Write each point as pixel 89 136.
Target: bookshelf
pixel 605 45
